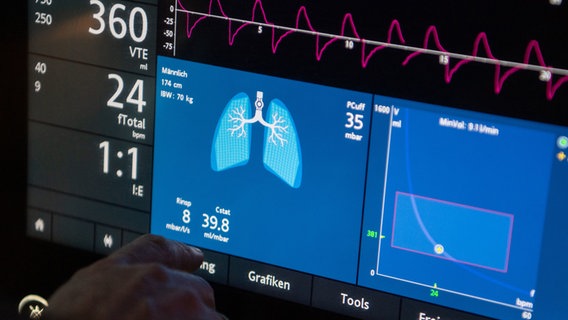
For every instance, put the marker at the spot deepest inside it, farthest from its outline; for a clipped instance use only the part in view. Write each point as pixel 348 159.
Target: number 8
pixel 186 216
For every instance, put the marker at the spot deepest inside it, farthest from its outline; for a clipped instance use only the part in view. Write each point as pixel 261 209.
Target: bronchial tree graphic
pixel 232 141
pixel 278 125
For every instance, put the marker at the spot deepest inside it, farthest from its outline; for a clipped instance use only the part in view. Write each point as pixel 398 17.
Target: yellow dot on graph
pixel 439 249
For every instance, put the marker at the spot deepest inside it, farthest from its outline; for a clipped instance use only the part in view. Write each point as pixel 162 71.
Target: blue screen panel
pixel 262 168
pixel 455 206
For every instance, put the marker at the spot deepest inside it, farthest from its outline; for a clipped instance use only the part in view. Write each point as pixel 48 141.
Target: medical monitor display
pixel 380 161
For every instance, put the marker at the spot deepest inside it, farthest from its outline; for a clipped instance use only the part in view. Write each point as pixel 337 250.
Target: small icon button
pixel 39 225
pixel 108 239
pixel 31 307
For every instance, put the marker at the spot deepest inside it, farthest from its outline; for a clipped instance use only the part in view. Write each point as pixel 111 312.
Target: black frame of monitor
pixel 31 266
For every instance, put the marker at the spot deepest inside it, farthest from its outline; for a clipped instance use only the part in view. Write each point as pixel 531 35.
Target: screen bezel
pixel 36 265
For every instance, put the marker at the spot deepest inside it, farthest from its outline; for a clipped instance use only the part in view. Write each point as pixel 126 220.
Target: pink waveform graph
pixel 349 31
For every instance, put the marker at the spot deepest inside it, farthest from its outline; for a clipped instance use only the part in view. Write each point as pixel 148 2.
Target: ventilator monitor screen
pixel 380 161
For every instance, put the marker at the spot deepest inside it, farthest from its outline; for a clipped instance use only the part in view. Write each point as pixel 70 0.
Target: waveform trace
pixel 369 48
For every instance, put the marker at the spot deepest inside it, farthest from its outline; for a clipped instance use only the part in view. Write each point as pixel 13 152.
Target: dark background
pixel 12 159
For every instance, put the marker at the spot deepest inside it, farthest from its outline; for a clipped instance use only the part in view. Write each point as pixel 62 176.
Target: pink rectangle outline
pixel 510 216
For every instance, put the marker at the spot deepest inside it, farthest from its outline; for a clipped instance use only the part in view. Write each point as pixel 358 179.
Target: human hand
pixel 148 279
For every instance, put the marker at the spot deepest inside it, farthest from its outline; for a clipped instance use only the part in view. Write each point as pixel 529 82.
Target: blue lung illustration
pixel 282 153
pixel 231 143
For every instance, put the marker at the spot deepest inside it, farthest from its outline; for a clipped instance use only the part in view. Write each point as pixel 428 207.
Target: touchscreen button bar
pixel 214 268
pixel 354 301
pixel 269 280
pixel 415 310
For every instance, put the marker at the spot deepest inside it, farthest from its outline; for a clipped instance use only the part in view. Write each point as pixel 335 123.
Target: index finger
pixel 156 249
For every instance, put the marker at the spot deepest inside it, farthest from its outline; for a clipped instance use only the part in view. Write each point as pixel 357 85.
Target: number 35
pixel 354 121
